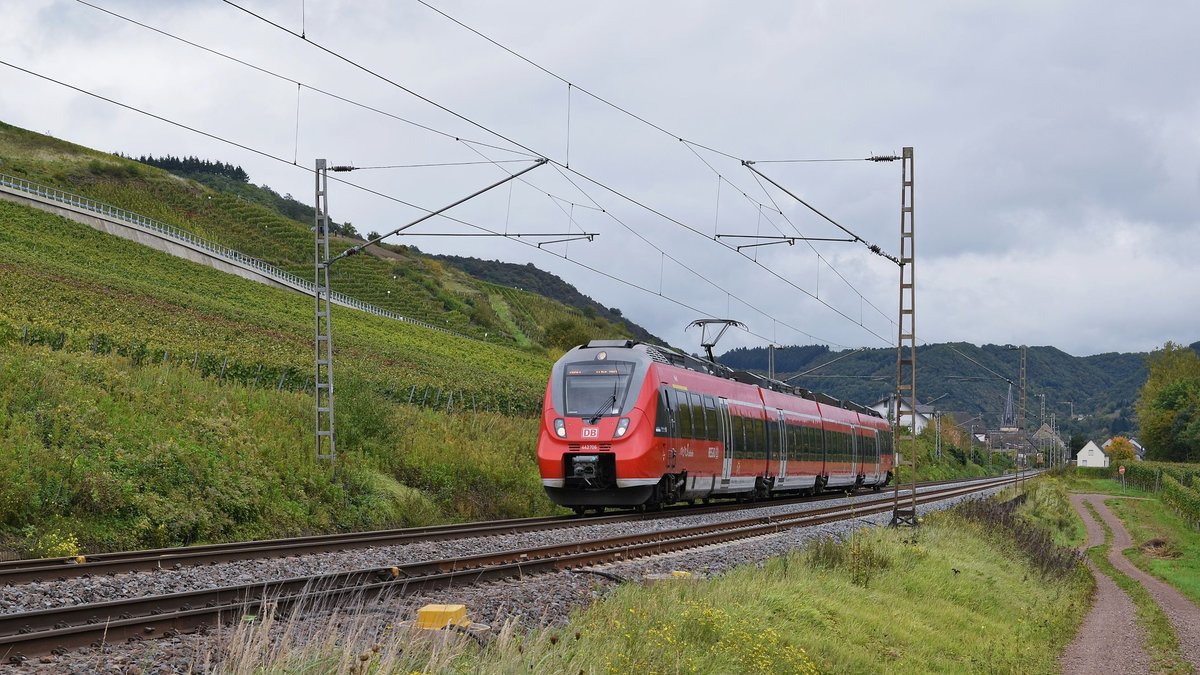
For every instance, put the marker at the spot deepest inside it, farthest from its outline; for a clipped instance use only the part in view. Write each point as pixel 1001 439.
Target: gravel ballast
pixel 545 599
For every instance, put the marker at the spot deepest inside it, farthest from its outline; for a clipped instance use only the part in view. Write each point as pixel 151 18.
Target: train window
pixel 760 440
pixel 815 442
pixel 596 389
pixel 710 414
pixel 737 440
pixel 683 414
pixel 699 423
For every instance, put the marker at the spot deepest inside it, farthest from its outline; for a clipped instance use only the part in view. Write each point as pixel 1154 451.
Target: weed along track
pixel 54 630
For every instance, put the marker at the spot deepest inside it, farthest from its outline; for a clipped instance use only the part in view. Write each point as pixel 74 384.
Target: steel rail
pixel 54 630
pixel 60 568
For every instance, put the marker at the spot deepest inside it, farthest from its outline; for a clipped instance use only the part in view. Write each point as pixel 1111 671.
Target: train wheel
pixel 578 510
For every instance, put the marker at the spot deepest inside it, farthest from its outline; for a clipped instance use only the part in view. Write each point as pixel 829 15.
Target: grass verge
pixel 1103 486
pixel 1166 546
pixel 959 595
pixel 1161 641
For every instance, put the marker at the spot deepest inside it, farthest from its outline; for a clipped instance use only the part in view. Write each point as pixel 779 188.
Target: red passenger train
pixel 628 424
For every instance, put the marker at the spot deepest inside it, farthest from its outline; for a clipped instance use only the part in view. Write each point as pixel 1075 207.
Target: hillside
pixel 146 400
pixel 529 278
pixel 1102 387
pixel 258 222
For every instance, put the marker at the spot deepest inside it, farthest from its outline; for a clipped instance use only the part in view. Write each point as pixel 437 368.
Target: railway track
pixel 40 632
pixel 52 569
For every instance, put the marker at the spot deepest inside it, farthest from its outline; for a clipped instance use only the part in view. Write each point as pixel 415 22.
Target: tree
pixel 1168 405
pixel 567 333
pixel 1120 450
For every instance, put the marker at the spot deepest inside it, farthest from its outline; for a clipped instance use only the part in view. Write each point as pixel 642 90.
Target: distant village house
pixel 1091 456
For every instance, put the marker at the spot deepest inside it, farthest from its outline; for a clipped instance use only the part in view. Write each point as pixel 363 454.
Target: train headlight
pixel 622 425
pixel 560 428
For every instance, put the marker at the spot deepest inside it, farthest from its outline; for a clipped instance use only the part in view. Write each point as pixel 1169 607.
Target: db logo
pixel 591 432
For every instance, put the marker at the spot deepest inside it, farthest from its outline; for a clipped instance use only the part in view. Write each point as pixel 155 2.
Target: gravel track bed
pixel 539 600
pixel 81 590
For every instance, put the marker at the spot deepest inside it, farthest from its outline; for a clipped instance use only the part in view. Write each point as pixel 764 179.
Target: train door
pixel 783 445
pixel 666 424
pixel 726 440
pixel 878 444
pixel 854 452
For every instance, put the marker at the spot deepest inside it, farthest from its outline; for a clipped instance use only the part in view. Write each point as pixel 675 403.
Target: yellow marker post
pixel 437 617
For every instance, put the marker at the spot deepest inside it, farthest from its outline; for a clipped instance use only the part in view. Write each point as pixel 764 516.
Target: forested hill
pixel 1102 388
pixel 529 278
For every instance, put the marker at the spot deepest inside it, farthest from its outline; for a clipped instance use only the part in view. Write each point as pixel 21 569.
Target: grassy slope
pixel 890 604
pixel 879 602
pixel 953 462
pixel 58 276
pixel 121 456
pixel 412 284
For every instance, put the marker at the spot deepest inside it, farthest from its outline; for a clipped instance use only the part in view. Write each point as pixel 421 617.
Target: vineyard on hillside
pixel 60 277
pixel 391 277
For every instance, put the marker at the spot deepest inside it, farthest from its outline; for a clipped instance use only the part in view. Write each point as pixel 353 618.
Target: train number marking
pixel 591 432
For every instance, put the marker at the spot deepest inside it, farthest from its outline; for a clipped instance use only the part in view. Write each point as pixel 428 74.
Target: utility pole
pixel 1021 411
pixel 906 343
pixel 1072 405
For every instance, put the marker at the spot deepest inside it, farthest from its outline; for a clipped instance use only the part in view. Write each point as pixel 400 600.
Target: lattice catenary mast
pixel 326 448
pixel 906 344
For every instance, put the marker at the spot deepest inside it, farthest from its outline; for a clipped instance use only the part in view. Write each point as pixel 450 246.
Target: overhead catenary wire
pixel 776 209
pixel 688 143
pixel 468 143
pixel 427 165
pixel 582 90
pixel 506 138
pixel 665 256
pixel 471 143
pixel 874 248
pixel 323 92
pixel 282 160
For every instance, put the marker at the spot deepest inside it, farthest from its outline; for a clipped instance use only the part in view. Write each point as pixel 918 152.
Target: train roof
pixel 672 357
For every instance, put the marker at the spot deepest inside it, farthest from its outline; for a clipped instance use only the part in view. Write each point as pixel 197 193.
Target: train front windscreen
pixel 592 390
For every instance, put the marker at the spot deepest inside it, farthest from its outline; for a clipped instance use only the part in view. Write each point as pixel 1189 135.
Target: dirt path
pixel 1109 641
pixel 1182 613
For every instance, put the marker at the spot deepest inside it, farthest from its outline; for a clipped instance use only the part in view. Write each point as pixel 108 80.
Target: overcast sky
pixel 1057 146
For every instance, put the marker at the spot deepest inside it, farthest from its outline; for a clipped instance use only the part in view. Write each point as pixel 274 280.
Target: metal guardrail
pixel 224 253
